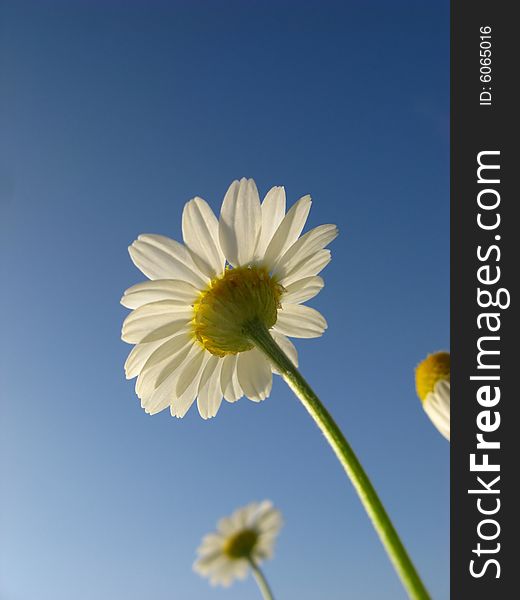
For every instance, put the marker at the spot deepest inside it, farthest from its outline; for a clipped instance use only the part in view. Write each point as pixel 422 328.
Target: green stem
pixel 260 336
pixel 261 581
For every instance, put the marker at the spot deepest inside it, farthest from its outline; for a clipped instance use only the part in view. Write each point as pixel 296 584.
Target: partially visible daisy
pixel 432 381
pixel 241 542
pixel 190 323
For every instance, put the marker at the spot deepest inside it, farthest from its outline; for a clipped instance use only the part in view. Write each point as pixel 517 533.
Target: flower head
pixel 248 535
pixel 190 322
pixel 432 381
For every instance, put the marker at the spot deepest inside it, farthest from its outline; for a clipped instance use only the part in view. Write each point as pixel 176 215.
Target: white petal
pixel 188 383
pixel 210 543
pixel 269 520
pixel 254 375
pixel 200 233
pixel 240 222
pixel 264 548
pixel 224 571
pixel 240 569
pixel 437 407
pixel 236 569
pixel 442 393
pixel 312 266
pixel 162 397
pixel 264 508
pixel 210 392
pixel 138 356
pixel 178 292
pixel 160 257
pixel 241 516
pixel 300 321
pixel 299 253
pixel 287 346
pixel 165 394
pixel 191 370
pixel 250 514
pixel 154 321
pixel 302 290
pixel 288 231
pixel 169 349
pixel 229 379
pixel 228 525
pixel 207 565
pixel 273 211
pixel 151 379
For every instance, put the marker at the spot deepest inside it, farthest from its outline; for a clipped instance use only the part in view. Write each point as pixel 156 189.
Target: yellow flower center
pixel 432 369
pixel 222 311
pixel 242 544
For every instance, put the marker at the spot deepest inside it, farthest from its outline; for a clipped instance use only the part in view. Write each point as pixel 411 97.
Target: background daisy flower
pixel 432 381
pixel 242 541
pixel 188 322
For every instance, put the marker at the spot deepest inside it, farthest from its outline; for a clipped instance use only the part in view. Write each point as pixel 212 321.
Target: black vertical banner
pixel 485 246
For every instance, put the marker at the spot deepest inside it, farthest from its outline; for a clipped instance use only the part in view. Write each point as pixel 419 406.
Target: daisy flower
pixel 432 381
pixel 190 323
pixel 214 323
pixel 242 541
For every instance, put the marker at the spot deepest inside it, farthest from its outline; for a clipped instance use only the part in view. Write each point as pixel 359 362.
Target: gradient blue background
pixel 115 114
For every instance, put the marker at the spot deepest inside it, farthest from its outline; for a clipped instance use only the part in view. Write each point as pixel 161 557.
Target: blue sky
pixel 113 115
